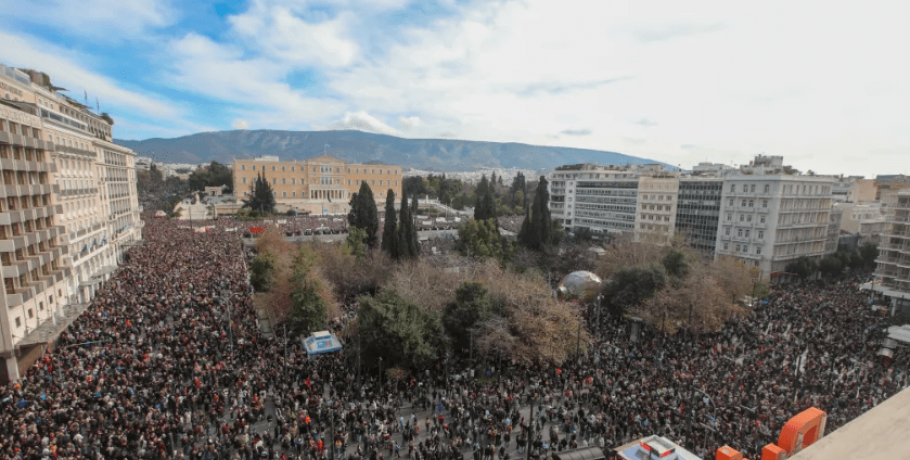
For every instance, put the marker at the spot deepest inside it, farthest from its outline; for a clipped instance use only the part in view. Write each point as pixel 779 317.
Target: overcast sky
pixel 826 84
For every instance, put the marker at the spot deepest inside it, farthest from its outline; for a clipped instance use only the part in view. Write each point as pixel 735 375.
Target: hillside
pixel 359 146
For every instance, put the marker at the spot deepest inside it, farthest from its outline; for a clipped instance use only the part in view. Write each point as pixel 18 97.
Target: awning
pixel 105 271
pixel 48 330
pixel 885 352
pixel 889 343
pixel 322 342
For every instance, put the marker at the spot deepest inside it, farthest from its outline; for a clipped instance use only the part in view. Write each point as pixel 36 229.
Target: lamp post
pixel 714 414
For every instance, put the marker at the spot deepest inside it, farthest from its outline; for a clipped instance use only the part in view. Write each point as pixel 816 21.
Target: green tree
pixel 537 232
pixel 261 269
pixel 262 198
pixel 364 214
pixel 213 175
pixel 831 266
pixel 413 239
pixel 355 243
pixel 404 227
pixel 868 252
pixel 398 331
pixel 631 286
pixel 804 267
pixel 472 305
pixel 481 239
pixel 675 263
pixel 390 228
pixel 309 309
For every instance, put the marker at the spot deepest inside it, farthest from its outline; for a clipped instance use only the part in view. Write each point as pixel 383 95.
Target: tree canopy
pixel 364 214
pixel 215 174
pixel 390 227
pixel 399 331
pixel 261 198
pixel 537 230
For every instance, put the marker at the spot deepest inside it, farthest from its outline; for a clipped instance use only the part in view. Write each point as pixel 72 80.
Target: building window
pixel 747 233
pixel 731 201
pixel 727 232
pixel 758 249
pixel 729 217
pixel 284 194
pixel 349 180
pixel 244 180
pixel 293 168
pixel 761 219
pixel 254 167
pixel 284 181
pixel 18 322
pixel 243 167
pixel 274 193
pixel 282 168
pixel 274 181
pixel 274 168
pixel 761 234
pixel 293 181
pixel 742 204
pixel 294 194
pixel 742 217
pixel 764 203
pixel 752 188
pixel 751 203
pixel 739 233
pixel 396 182
pixel 767 188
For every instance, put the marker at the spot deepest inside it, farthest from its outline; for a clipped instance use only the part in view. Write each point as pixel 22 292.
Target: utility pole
pixel 531 426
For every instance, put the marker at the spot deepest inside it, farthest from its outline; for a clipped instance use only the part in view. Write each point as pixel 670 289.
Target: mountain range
pixel 364 147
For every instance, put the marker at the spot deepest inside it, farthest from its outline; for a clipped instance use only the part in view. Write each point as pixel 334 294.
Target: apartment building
pixel 658 195
pixel 319 185
pixel 771 215
pixel 31 255
pixel 603 199
pixel 698 212
pixel 835 220
pixel 893 271
pixel 91 189
pixel 764 213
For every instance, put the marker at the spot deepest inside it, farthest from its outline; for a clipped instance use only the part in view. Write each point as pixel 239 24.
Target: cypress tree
pixel 364 214
pixel 404 229
pixel 414 244
pixel 390 229
pixel 489 207
pixel 537 229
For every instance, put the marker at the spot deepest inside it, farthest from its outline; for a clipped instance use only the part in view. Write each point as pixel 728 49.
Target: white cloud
pixel 361 121
pixel 407 123
pixel 825 81
pixel 220 71
pixel 281 33
pixel 240 124
pixel 33 53
pixel 110 20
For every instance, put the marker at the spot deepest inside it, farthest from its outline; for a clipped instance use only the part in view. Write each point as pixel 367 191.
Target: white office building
pixel 772 215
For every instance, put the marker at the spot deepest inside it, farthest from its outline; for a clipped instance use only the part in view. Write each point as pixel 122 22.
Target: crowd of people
pixel 169 362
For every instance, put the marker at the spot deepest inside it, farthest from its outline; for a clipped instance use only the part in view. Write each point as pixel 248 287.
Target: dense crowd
pixel 168 362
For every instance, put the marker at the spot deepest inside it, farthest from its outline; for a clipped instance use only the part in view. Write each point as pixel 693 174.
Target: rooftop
pixel 879 433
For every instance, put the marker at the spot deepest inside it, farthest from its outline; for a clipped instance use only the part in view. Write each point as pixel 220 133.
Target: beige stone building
pixel 321 185
pixel 31 251
pixel 86 187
